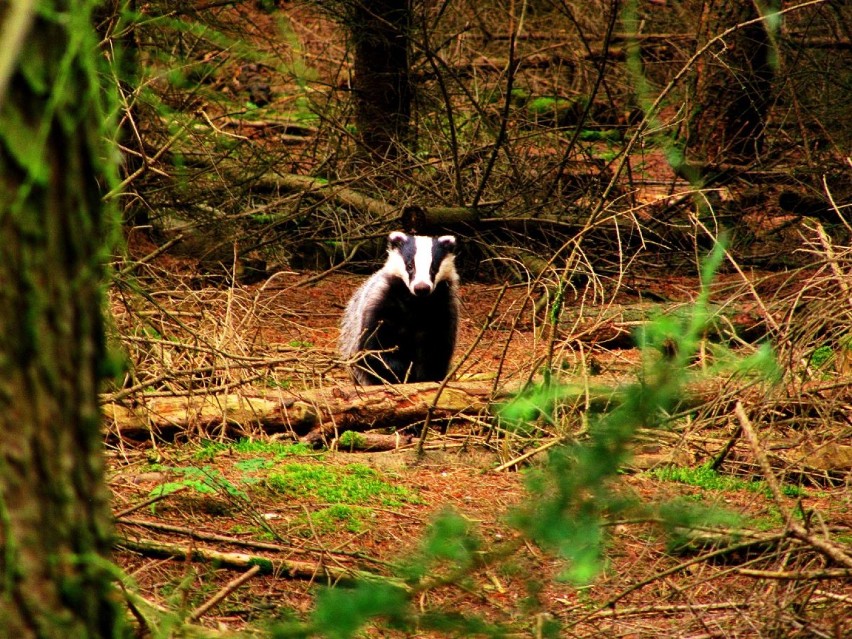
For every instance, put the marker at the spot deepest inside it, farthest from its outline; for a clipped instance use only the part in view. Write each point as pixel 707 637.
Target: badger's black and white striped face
pixel 420 261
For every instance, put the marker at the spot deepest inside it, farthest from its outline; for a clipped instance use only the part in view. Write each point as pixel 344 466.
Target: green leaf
pixel 340 613
pixel 450 538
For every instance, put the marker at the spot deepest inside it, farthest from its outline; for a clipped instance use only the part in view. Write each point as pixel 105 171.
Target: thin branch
pixel 644 610
pixel 530 453
pixel 796 575
pixel 245 543
pixel 148 502
pixel 281 568
pixel 229 587
pixel 14 31
pixel 826 547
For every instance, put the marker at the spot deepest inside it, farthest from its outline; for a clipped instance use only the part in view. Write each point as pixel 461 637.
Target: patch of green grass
pixel 705 477
pixel 352 484
pixel 341 517
pixel 283 384
pixel 791 490
pixel 304 111
pixel 279 449
pixel 258 533
pixel 209 449
pixel 771 521
pixel 547 105
pixel 607 156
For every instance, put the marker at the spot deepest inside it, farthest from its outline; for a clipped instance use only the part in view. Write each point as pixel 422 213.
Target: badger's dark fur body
pixel 401 324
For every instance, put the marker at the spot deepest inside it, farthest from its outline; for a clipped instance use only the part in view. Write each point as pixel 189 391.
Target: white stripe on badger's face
pixel 422 263
pixel 395 265
pixel 447 269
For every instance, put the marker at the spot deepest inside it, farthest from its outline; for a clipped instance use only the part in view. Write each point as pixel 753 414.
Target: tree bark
pixel 380 32
pixel 733 87
pixel 55 524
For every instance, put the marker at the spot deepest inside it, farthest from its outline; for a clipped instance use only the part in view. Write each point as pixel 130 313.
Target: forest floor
pixel 331 511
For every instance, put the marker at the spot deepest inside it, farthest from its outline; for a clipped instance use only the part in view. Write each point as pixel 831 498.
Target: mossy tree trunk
pixel 55 523
pixel 380 33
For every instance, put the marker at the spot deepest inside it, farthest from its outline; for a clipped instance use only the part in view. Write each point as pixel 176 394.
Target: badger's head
pixel 421 262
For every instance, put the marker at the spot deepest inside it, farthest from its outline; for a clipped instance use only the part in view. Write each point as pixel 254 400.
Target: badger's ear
pixel 448 243
pixel 396 239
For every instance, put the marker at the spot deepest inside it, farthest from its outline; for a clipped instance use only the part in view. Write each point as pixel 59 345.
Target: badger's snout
pixel 421 289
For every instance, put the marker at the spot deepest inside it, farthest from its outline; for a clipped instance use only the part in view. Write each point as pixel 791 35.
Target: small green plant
pixel 821 356
pixel 351 439
pixel 204 480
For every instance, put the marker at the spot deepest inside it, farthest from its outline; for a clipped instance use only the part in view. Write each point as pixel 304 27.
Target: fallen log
pixel 323 414
pixel 371 442
pixel 311 415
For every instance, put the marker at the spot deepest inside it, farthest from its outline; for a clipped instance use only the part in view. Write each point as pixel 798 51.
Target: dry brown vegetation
pixel 249 208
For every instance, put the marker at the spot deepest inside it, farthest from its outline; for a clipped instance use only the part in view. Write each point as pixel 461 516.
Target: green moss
pixel 351 439
pixel 821 356
pixel 543 105
pixel 341 517
pixel 606 135
pixel 352 484
pixel 210 449
pixel 705 477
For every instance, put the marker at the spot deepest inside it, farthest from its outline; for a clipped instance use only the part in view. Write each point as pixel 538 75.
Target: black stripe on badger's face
pixel 420 261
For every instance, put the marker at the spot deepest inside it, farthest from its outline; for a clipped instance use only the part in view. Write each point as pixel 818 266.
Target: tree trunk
pixel 380 31
pixel 733 87
pixel 55 523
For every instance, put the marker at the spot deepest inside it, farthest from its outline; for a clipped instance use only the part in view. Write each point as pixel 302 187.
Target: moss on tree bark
pixel 55 523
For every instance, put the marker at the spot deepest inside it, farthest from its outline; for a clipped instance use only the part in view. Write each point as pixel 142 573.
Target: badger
pixel 400 325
